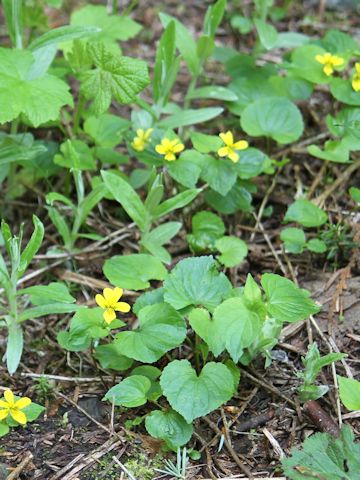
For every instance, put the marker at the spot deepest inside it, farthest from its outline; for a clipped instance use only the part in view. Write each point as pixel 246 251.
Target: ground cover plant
pixel 179 264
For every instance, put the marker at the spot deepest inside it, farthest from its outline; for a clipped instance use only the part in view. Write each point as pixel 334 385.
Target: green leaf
pixel 62 34
pixel 206 229
pixel 214 92
pixel 304 64
pixel 196 281
pixel 131 392
pixel 118 77
pixel 32 247
pixel 75 154
pixel 187 168
pixel 106 129
pixel 274 117
pixel 194 396
pixel 61 226
pixel 128 199
pixel 237 325
pixel 316 245
pixel 32 411
pixel 306 213
pixel 160 235
pixel 204 326
pixel 286 301
pixel 220 174
pixel 233 251
pixel 291 40
pixel 335 41
pixel 14 347
pixel 184 42
pixel 294 239
pixel 112 27
pixel 161 329
pixel 4 430
pixel 13 12
pixel 48 309
pixel 343 91
pixel 190 117
pixel 334 151
pixel 152 373
pixel 166 64
pixel 134 271
pixel 110 356
pixel 325 457
pixel 349 390
pixel 180 200
pixel 42 294
pixel 170 427
pixel 238 199
pixel 18 148
pixel 251 163
pixel 267 33
pixel 148 298
pixel 355 194
pixel 205 143
pixel 213 17
pixel 39 99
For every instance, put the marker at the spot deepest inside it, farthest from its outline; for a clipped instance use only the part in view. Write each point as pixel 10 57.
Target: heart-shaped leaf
pixel 131 392
pixel 161 329
pixel 170 427
pixel 194 396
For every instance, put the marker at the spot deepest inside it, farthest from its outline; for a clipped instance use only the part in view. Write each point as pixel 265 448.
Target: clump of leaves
pixel 325 457
pixel 313 364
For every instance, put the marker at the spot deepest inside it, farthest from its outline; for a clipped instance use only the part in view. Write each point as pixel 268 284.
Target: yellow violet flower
pixel 110 302
pixel 169 148
pixel 329 61
pixel 230 149
pixel 142 136
pixel 13 407
pixel 356 78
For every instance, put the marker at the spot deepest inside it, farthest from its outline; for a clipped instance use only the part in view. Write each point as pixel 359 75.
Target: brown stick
pixel 320 418
pixel 15 473
pixel 230 449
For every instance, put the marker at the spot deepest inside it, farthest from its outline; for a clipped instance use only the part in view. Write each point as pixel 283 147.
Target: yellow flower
pixel 329 61
pixel 356 78
pixel 169 148
pixel 110 302
pixel 142 136
pixel 13 407
pixel 230 149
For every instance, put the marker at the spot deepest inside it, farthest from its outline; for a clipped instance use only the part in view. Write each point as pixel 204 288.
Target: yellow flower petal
pixel 234 157
pixel 240 145
pixel 3 404
pixel 18 416
pixel 328 69
pixel 320 59
pixel 109 315
pixel 148 133
pixel 223 151
pixel 122 307
pixel 9 397
pixel 112 295
pixel 100 300
pixel 22 403
pixel 178 148
pixel 357 68
pixel 140 133
pixel 356 83
pixel 160 149
pixel 166 143
pixel 170 157
pixel 4 414
pixel 227 138
pixel 337 61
